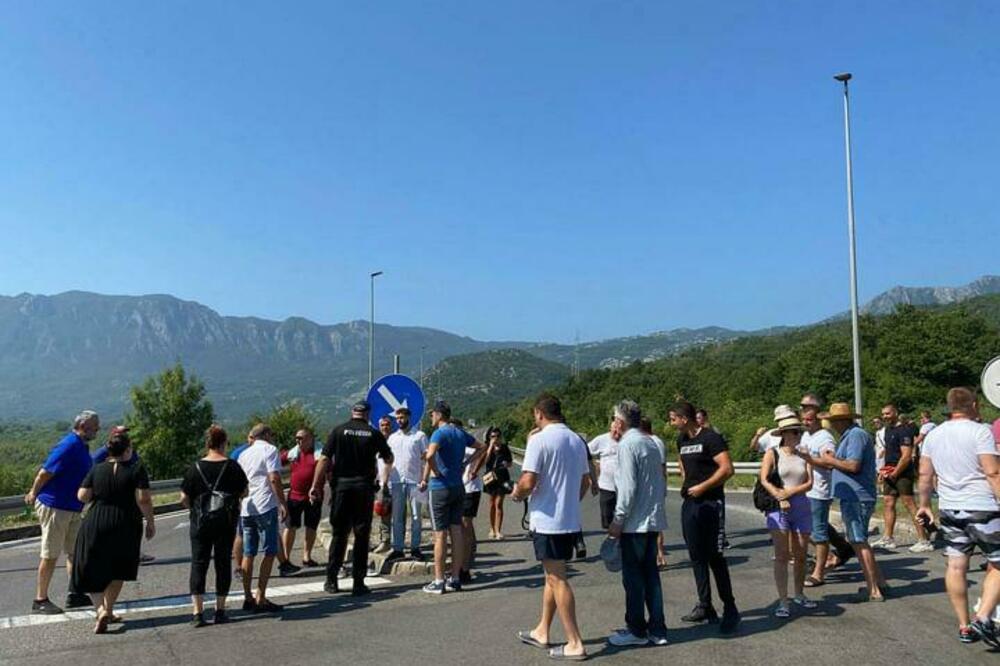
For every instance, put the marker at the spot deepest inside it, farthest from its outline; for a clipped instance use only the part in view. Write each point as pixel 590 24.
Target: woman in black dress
pixel 496 470
pixel 107 546
pixel 213 540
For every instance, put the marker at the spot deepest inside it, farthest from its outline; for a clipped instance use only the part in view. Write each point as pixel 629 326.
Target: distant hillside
pixel 473 383
pixel 886 302
pixel 61 353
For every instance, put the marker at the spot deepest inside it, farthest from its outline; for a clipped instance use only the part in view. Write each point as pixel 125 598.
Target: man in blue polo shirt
pixel 853 482
pixel 53 495
pixel 443 476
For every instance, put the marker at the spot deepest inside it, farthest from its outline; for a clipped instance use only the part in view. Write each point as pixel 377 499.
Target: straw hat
pixel 839 411
pixel 789 424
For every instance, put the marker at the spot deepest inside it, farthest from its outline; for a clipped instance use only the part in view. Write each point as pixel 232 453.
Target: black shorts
pixel 470 507
pixel 554 546
pixel 607 499
pixel 446 506
pixel 299 508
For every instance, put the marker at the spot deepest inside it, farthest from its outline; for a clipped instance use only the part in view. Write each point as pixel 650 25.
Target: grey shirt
pixel 640 483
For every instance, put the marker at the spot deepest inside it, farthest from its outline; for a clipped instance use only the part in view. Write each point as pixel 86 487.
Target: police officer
pixel 350 453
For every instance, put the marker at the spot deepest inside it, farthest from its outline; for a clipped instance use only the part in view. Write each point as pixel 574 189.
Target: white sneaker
pixel 888 544
pixel 878 543
pixel 625 638
pixel 922 547
pixel 658 640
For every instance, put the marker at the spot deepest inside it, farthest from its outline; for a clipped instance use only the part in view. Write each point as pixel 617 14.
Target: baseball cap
pixel 361 406
pixel 611 554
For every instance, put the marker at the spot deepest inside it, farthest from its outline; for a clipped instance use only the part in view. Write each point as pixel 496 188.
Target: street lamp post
pixel 855 334
pixel 371 332
pixel 422 368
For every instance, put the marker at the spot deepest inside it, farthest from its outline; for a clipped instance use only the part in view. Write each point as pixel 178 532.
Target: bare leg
pixel 990 594
pixel 800 543
pixel 199 603
pixel 469 537
pixel 957 587
pixel 499 514
pixel 288 542
pixel 457 551
pixel 247 568
pixel 565 601
pixel 440 548
pixel 307 552
pixel 263 576
pixel 822 553
pixel 911 507
pixel 111 595
pixel 46 567
pixel 493 514
pixel 238 550
pixel 541 631
pixel 873 575
pixel 780 540
pixel 889 514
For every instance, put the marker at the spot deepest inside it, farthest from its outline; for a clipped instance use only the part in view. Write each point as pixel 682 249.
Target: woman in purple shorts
pixel 791 525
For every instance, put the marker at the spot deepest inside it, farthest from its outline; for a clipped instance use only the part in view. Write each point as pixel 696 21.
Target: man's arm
pixel 274 478
pixel 526 485
pixel 36 487
pixel 319 476
pixel 905 458
pixel 926 484
pixel 991 468
pixel 626 489
pixel 722 474
pixel 849 466
pixel 430 464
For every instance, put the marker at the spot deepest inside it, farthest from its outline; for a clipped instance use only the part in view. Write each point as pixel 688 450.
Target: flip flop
pixel 526 638
pixel 559 654
pixel 812 581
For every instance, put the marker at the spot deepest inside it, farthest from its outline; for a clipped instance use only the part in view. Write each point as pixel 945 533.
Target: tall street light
pixel 855 334
pixel 371 332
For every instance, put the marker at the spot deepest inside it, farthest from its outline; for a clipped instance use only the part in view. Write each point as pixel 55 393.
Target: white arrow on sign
pixel 390 398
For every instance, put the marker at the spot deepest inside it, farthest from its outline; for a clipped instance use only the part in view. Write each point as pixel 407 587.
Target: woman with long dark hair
pixel 211 489
pixel 496 477
pixel 107 547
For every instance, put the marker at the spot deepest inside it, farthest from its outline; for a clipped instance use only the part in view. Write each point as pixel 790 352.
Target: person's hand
pixel 615 530
pixel 282 512
pixel 315 495
pixel 696 491
pixel 594 490
pixel 29 499
pixel 924 516
pixel 150 530
pixel 784 505
pixel 422 486
pixel 781 495
pixel 473 475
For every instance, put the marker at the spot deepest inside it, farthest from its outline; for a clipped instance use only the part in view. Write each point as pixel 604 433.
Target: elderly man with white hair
pixel 639 517
pixel 53 496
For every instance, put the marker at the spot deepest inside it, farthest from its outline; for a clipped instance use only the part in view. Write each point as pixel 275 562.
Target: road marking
pixel 166 603
pixel 182 525
pixel 384 391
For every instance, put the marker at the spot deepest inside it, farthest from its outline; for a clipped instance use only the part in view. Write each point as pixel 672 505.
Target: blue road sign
pixel 392 392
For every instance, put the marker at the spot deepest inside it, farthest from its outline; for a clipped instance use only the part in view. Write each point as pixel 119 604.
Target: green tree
pixel 285 420
pixel 169 417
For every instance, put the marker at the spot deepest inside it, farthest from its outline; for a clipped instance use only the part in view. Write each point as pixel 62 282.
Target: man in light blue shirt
pixel 639 518
pixel 853 481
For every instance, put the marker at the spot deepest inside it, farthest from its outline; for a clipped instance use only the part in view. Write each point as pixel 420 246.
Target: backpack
pixel 212 511
pixel 763 500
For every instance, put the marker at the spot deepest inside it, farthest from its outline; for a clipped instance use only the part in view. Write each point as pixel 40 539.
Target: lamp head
pixel 845 77
pixel 376 274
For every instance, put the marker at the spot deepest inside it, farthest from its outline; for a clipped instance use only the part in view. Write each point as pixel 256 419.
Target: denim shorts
pixel 254 526
pixel 820 519
pixel 856 516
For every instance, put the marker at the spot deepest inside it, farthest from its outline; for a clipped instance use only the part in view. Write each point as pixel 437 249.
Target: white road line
pixel 182 525
pixel 165 603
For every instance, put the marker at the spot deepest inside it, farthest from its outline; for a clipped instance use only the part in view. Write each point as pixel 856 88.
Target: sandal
pixel 102 624
pixel 812 581
pixel 526 638
pixel 782 611
pixel 559 654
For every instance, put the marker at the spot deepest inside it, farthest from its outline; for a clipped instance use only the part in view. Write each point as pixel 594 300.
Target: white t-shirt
pixel 471 485
pixel 880 448
pixel 927 427
pixel 407 449
pixel 258 461
pixel 767 441
pixel 954 448
pixel 605 449
pixel 816 443
pixel 558 456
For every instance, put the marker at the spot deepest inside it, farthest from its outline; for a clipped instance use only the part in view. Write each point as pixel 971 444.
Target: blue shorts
pixel 796 519
pixel 856 516
pixel 820 519
pixel 254 526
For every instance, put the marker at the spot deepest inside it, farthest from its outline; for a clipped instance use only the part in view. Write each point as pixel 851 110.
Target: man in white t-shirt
pixel 961 456
pixel 879 429
pixel 408 448
pixel 555 475
pixel 604 448
pixel 261 510
pixel 926 425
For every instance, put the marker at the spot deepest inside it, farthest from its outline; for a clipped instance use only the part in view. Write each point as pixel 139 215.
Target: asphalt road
pixel 401 624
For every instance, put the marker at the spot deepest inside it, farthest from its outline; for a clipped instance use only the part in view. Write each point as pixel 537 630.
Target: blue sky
pixel 520 170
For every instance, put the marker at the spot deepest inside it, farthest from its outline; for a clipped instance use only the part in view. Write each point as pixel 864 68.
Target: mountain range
pixel 68 351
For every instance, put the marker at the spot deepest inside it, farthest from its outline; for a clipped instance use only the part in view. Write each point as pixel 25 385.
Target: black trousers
pixel 702 523
pixel 206 549
pixel 641 580
pixel 351 511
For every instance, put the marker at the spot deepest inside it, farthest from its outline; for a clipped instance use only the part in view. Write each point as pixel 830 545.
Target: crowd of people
pixel 811 457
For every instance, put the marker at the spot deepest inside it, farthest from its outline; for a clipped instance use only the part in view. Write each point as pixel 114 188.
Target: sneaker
pixel 465 577
pixel 967 635
pixel 417 555
pixel 268 606
pixel 78 600
pixel 249 605
pixel 700 614
pixel 311 563
pixel 730 622
pixel 198 621
pixel 360 591
pixel 658 640
pixel 452 585
pixel 435 587
pixel 288 569
pixel 878 543
pixel 985 630
pixel 45 607
pixel 331 586
pixel 889 544
pixel 805 602
pixel 145 558
pixel 625 638
pixel 922 547
pixel 394 555
pixel 220 616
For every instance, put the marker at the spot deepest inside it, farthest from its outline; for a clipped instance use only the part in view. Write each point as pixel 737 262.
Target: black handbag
pixel 763 500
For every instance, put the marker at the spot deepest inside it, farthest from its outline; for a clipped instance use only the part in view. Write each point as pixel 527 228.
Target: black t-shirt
pixel 352 447
pixel 697 455
pixel 895 439
pixel 234 481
